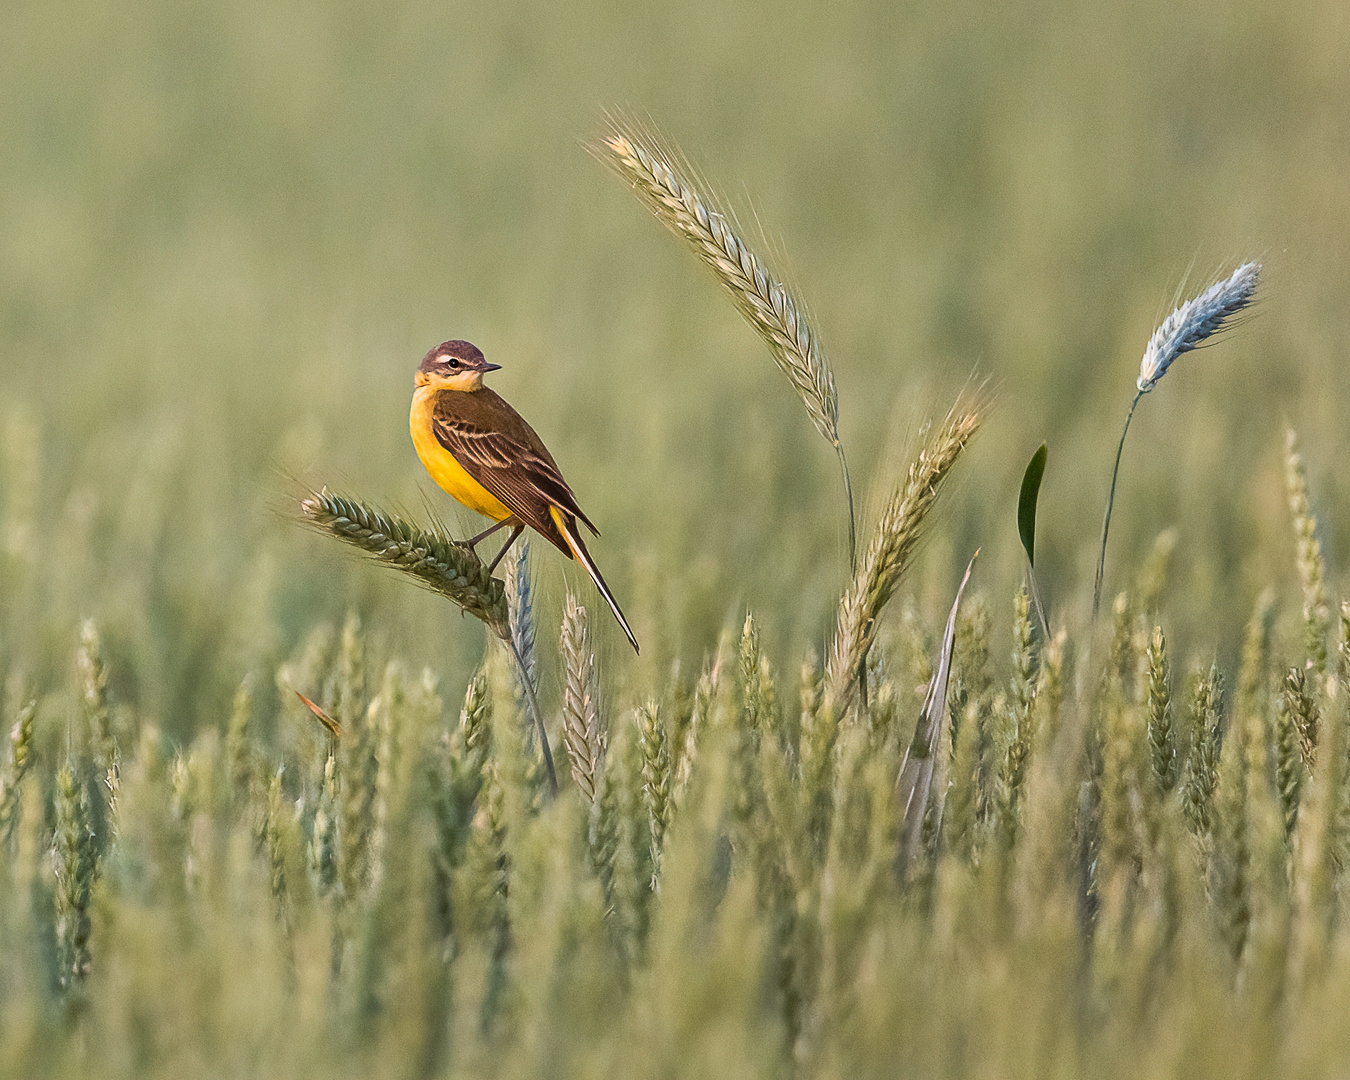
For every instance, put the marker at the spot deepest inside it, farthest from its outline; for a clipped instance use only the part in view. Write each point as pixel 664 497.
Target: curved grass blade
pixel 1026 502
pixel 333 727
pixel 1026 525
pixel 915 780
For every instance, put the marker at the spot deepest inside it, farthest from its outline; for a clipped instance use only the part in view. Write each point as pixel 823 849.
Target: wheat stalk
pixel 323 845
pixel 656 776
pixel 433 558
pixel 581 734
pixel 1187 328
pixel 74 866
pixel 887 558
pixel 1162 736
pixel 274 842
pixel 1308 551
pixel 20 757
pixel 759 296
pixel 93 679
pixel 520 606
pixel 1202 763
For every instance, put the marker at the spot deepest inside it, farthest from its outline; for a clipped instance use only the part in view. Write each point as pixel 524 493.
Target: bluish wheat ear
pixel 1195 321
pixel 1187 328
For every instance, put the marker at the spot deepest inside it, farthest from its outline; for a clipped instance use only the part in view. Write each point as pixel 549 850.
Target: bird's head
pixel 454 365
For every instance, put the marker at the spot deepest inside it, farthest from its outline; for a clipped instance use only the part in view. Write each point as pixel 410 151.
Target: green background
pixel 230 231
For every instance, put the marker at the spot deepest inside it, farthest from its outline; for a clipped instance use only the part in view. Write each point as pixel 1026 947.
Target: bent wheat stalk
pixel 1188 327
pixel 434 559
pixel 760 297
pixel 438 563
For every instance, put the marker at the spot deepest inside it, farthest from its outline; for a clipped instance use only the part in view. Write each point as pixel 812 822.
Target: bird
pixel 481 451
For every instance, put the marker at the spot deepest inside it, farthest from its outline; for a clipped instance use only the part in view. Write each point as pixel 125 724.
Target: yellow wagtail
pixel 482 452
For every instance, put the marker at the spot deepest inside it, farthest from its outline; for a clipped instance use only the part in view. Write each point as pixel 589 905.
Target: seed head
pixel 1194 321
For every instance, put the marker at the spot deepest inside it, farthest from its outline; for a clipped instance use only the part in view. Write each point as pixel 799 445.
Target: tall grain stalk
pixel 1185 329
pixel 1308 552
pixel 888 556
pixel 660 180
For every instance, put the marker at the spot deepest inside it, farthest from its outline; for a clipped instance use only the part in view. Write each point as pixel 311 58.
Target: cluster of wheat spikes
pixel 450 568
pixel 1120 871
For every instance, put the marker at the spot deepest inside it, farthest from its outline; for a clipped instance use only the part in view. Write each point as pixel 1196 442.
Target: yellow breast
pixel 441 464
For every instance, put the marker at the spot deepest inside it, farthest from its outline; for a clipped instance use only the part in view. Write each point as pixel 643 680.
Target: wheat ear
pixel 437 562
pixel 433 558
pixel 888 556
pixel 581 733
pixel 1187 328
pixel 1311 569
pixel 761 298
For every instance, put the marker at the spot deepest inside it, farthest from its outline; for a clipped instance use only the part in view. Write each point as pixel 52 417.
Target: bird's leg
pixel 515 535
pixel 471 544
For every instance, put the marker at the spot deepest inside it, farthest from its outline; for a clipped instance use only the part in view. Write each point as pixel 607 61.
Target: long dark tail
pixel 568 527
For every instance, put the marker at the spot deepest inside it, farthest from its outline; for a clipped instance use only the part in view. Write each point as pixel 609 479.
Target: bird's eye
pixel 451 363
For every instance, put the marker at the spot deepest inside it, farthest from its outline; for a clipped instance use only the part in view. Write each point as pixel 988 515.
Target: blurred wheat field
pixel 229 232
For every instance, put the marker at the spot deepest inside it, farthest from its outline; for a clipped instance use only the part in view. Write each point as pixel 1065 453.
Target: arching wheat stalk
pixel 435 560
pixel 760 297
pixel 1185 329
pixel 440 564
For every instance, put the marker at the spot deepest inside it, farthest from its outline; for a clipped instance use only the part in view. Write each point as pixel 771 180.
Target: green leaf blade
pixel 1026 502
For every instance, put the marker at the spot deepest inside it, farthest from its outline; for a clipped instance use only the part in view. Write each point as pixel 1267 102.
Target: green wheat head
pixel 435 560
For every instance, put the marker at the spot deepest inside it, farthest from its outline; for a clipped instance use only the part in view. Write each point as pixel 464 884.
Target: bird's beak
pixel 492 367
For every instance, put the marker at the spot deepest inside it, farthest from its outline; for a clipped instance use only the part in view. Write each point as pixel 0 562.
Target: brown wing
pixel 500 450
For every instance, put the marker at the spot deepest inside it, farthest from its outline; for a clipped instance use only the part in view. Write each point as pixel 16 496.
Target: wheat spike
pixel 1308 551
pixel 1162 737
pixel 93 678
pixel 759 296
pixel 655 748
pixel 434 559
pixel 74 865
pixel 520 605
pixel 888 556
pixel 1187 328
pixel 1196 320
pixel 20 756
pixel 581 734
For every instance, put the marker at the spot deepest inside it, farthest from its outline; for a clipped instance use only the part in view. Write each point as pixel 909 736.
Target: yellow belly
pixel 441 464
